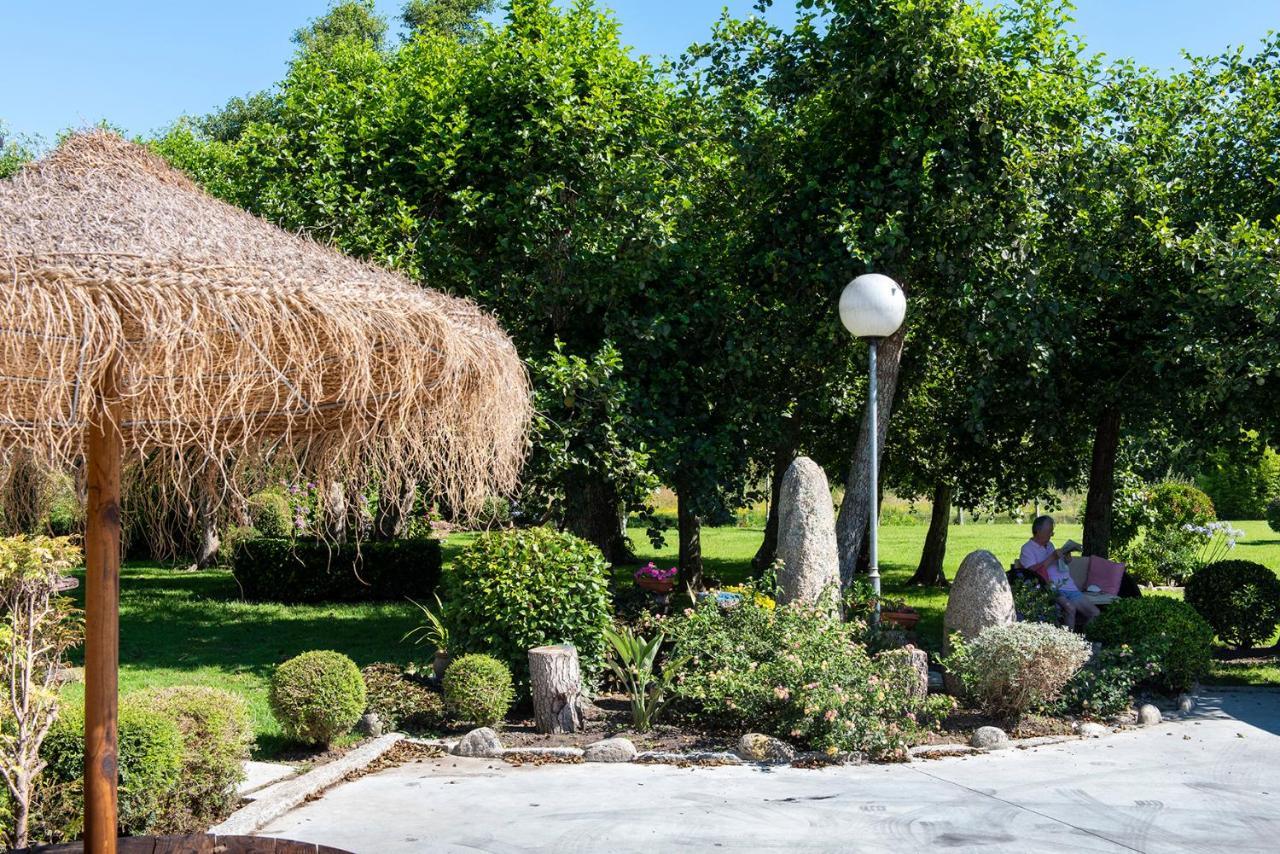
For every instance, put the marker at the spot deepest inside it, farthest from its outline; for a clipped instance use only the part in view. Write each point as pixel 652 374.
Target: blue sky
pixel 141 63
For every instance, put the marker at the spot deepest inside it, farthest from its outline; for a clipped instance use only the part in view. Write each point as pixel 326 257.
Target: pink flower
pixel 781 693
pixel 830 715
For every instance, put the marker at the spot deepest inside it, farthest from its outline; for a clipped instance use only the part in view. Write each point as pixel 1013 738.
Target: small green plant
pixel 269 514
pixel 1104 687
pixel 513 590
pixel 1239 598
pixel 1034 602
pixel 434 630
pixel 1167 630
pixel 478 689
pixel 400 699
pixel 217 732
pixel 1273 515
pixel 634 663
pixel 317 696
pixel 1011 669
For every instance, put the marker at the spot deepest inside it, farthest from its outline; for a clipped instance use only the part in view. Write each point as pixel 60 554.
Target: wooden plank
pixel 104 453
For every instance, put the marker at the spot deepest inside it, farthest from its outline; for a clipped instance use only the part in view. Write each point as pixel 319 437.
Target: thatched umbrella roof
pixel 228 334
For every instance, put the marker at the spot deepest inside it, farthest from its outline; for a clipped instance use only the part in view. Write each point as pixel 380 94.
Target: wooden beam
pixel 104 452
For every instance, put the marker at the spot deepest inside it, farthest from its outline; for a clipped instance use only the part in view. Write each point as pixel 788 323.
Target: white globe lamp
pixel 872 307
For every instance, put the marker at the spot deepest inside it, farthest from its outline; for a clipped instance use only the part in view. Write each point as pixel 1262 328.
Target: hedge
pixel 271 569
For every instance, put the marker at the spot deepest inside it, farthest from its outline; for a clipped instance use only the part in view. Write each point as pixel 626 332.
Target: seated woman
pixel 1041 557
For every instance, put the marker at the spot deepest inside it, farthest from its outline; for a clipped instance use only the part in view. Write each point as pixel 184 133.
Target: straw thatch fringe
pixel 253 347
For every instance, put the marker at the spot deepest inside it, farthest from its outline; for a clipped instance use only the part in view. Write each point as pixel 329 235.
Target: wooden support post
pixel 556 684
pixel 103 455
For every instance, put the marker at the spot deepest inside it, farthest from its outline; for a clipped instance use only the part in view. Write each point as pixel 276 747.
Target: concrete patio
pixel 1209 782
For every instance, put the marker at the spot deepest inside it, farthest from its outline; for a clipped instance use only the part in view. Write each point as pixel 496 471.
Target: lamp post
pixel 872 307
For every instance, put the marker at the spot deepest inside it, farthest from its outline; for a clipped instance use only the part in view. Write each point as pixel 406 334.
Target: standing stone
pixel 1149 715
pixel 370 724
pixel 980 598
pixel 556 683
pixel 807 535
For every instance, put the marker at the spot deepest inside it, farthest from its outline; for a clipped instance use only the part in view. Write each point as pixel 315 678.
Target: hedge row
pixel 278 569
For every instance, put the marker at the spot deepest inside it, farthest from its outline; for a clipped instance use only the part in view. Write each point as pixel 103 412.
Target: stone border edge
pixel 279 798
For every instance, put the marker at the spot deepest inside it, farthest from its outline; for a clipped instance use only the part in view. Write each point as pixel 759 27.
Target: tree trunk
pixel 929 572
pixel 1097 508
pixel 394 506
pixel 593 511
pixel 851 527
pixel 783 454
pixel 206 550
pixel 556 684
pixel 690 526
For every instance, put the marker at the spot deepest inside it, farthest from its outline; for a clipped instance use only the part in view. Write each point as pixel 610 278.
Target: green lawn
pixel 179 627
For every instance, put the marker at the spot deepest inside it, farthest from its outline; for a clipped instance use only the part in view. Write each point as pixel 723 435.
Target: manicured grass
pixel 180 627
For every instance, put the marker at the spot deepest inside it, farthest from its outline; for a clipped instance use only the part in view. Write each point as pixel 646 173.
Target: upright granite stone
pixel 980 598
pixel 807 535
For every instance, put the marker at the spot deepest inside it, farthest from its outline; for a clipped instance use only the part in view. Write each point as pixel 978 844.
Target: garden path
pixel 1210 782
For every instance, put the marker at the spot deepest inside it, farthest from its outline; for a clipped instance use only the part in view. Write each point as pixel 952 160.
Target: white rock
pixel 980 598
pixel 1090 729
pixel 806 535
pixel 1186 703
pixel 989 738
pixel 758 747
pixel 1149 715
pixel 610 750
pixel 480 743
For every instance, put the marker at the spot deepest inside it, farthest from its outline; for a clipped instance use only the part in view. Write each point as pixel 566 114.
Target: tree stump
pixel 556 684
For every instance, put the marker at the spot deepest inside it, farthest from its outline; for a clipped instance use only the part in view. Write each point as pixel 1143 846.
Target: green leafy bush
pixel 150 767
pixel 1104 687
pixel 478 689
pixel 401 700
pixel 317 696
pixel 1034 602
pixel 1167 630
pixel 1175 504
pixel 792 672
pixel 1273 515
pixel 1163 557
pixel 1011 669
pixel 269 513
pixel 217 732
pixel 513 590
pixel 309 570
pixel 1239 598
pixel 66 516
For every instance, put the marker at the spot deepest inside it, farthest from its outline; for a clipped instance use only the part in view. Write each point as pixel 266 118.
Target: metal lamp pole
pixel 872 307
pixel 873 529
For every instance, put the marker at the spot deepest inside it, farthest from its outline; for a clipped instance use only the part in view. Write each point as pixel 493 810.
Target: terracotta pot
pixel 902 619
pixel 654 585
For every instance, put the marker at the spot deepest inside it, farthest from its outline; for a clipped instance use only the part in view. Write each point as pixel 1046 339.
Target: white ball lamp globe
pixel 872 306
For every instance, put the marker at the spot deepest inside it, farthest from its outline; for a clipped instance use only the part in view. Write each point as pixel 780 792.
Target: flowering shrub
pixel 1011 669
pixel 652 573
pixel 1034 602
pixel 749 591
pixel 1176 638
pixel 1174 527
pixel 1218 538
pixel 792 672
pixel 1239 598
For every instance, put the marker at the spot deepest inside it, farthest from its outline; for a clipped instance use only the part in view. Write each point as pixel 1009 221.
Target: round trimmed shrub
pixel 1273 515
pixel 1166 630
pixel 317 696
pixel 401 700
pixel 150 754
pixel 1239 598
pixel 478 690
pixel 1175 504
pixel 217 732
pixel 269 513
pixel 513 590
pixel 1011 669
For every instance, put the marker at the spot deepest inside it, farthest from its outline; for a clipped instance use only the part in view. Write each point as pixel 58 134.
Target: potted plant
pixel 896 612
pixel 434 631
pixel 661 581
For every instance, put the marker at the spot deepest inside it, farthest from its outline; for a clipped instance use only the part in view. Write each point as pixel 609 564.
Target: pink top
pixel 1033 554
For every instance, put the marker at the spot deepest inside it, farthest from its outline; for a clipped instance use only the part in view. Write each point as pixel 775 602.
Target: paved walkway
pixel 1206 784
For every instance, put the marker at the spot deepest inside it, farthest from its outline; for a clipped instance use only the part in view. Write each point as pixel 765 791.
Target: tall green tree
pixel 459 19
